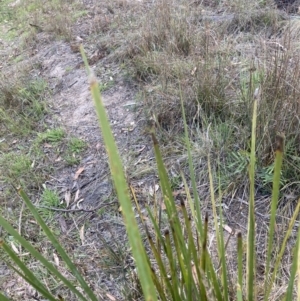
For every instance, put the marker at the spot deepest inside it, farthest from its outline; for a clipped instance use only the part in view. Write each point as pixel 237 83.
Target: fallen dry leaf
pixel 194 273
pixel 68 197
pixel 79 202
pixel 193 71
pixel 163 206
pixel 81 234
pixel 154 189
pixel 227 228
pixel 76 196
pixel 15 249
pixel 56 259
pixel 110 297
pixel 78 172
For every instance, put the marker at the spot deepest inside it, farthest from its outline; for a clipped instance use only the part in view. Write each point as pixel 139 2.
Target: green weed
pixel 76 145
pixel 50 198
pixel 72 159
pixel 17 165
pixel 51 135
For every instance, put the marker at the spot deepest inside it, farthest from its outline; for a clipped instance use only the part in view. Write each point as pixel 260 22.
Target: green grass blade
pixel 204 244
pixel 159 284
pixel 289 293
pixel 223 258
pixel 121 186
pixel 158 257
pixel 239 292
pixel 157 230
pixel 282 249
pixel 57 246
pixel 3 298
pixel 212 276
pixel 27 275
pixel 189 198
pixel 167 191
pixel 168 197
pixel 172 261
pixel 39 257
pixel 199 222
pixel 219 234
pixel 192 250
pixel 274 202
pixel 251 291
pixel 182 252
pixel 298 271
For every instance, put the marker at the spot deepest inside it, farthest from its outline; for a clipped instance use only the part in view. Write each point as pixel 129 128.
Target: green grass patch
pixel 50 198
pixel 76 145
pixel 72 153
pixel 16 164
pixel 22 105
pixel 51 135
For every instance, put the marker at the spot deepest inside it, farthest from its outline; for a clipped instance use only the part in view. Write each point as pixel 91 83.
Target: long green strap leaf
pixel 58 247
pixel 219 234
pixel 3 297
pixel 239 292
pixel 289 293
pixel 121 186
pixel 283 248
pixel 38 256
pixel 274 202
pixel 27 275
pixel 298 270
pixel 199 223
pixel 251 292
pixel 182 252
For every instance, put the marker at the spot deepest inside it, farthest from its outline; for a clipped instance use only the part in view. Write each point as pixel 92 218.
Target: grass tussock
pixel 22 103
pixel 33 17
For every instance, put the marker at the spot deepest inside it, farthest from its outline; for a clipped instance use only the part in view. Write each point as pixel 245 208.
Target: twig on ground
pixel 79 209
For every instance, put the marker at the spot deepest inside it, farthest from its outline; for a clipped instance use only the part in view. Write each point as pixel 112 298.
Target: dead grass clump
pixel 175 55
pixel 20 101
pixel 266 21
pixel 51 16
pixel 210 84
pixel 279 112
pixel 167 30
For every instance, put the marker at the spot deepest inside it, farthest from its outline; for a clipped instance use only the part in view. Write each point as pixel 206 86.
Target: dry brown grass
pixel 215 62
